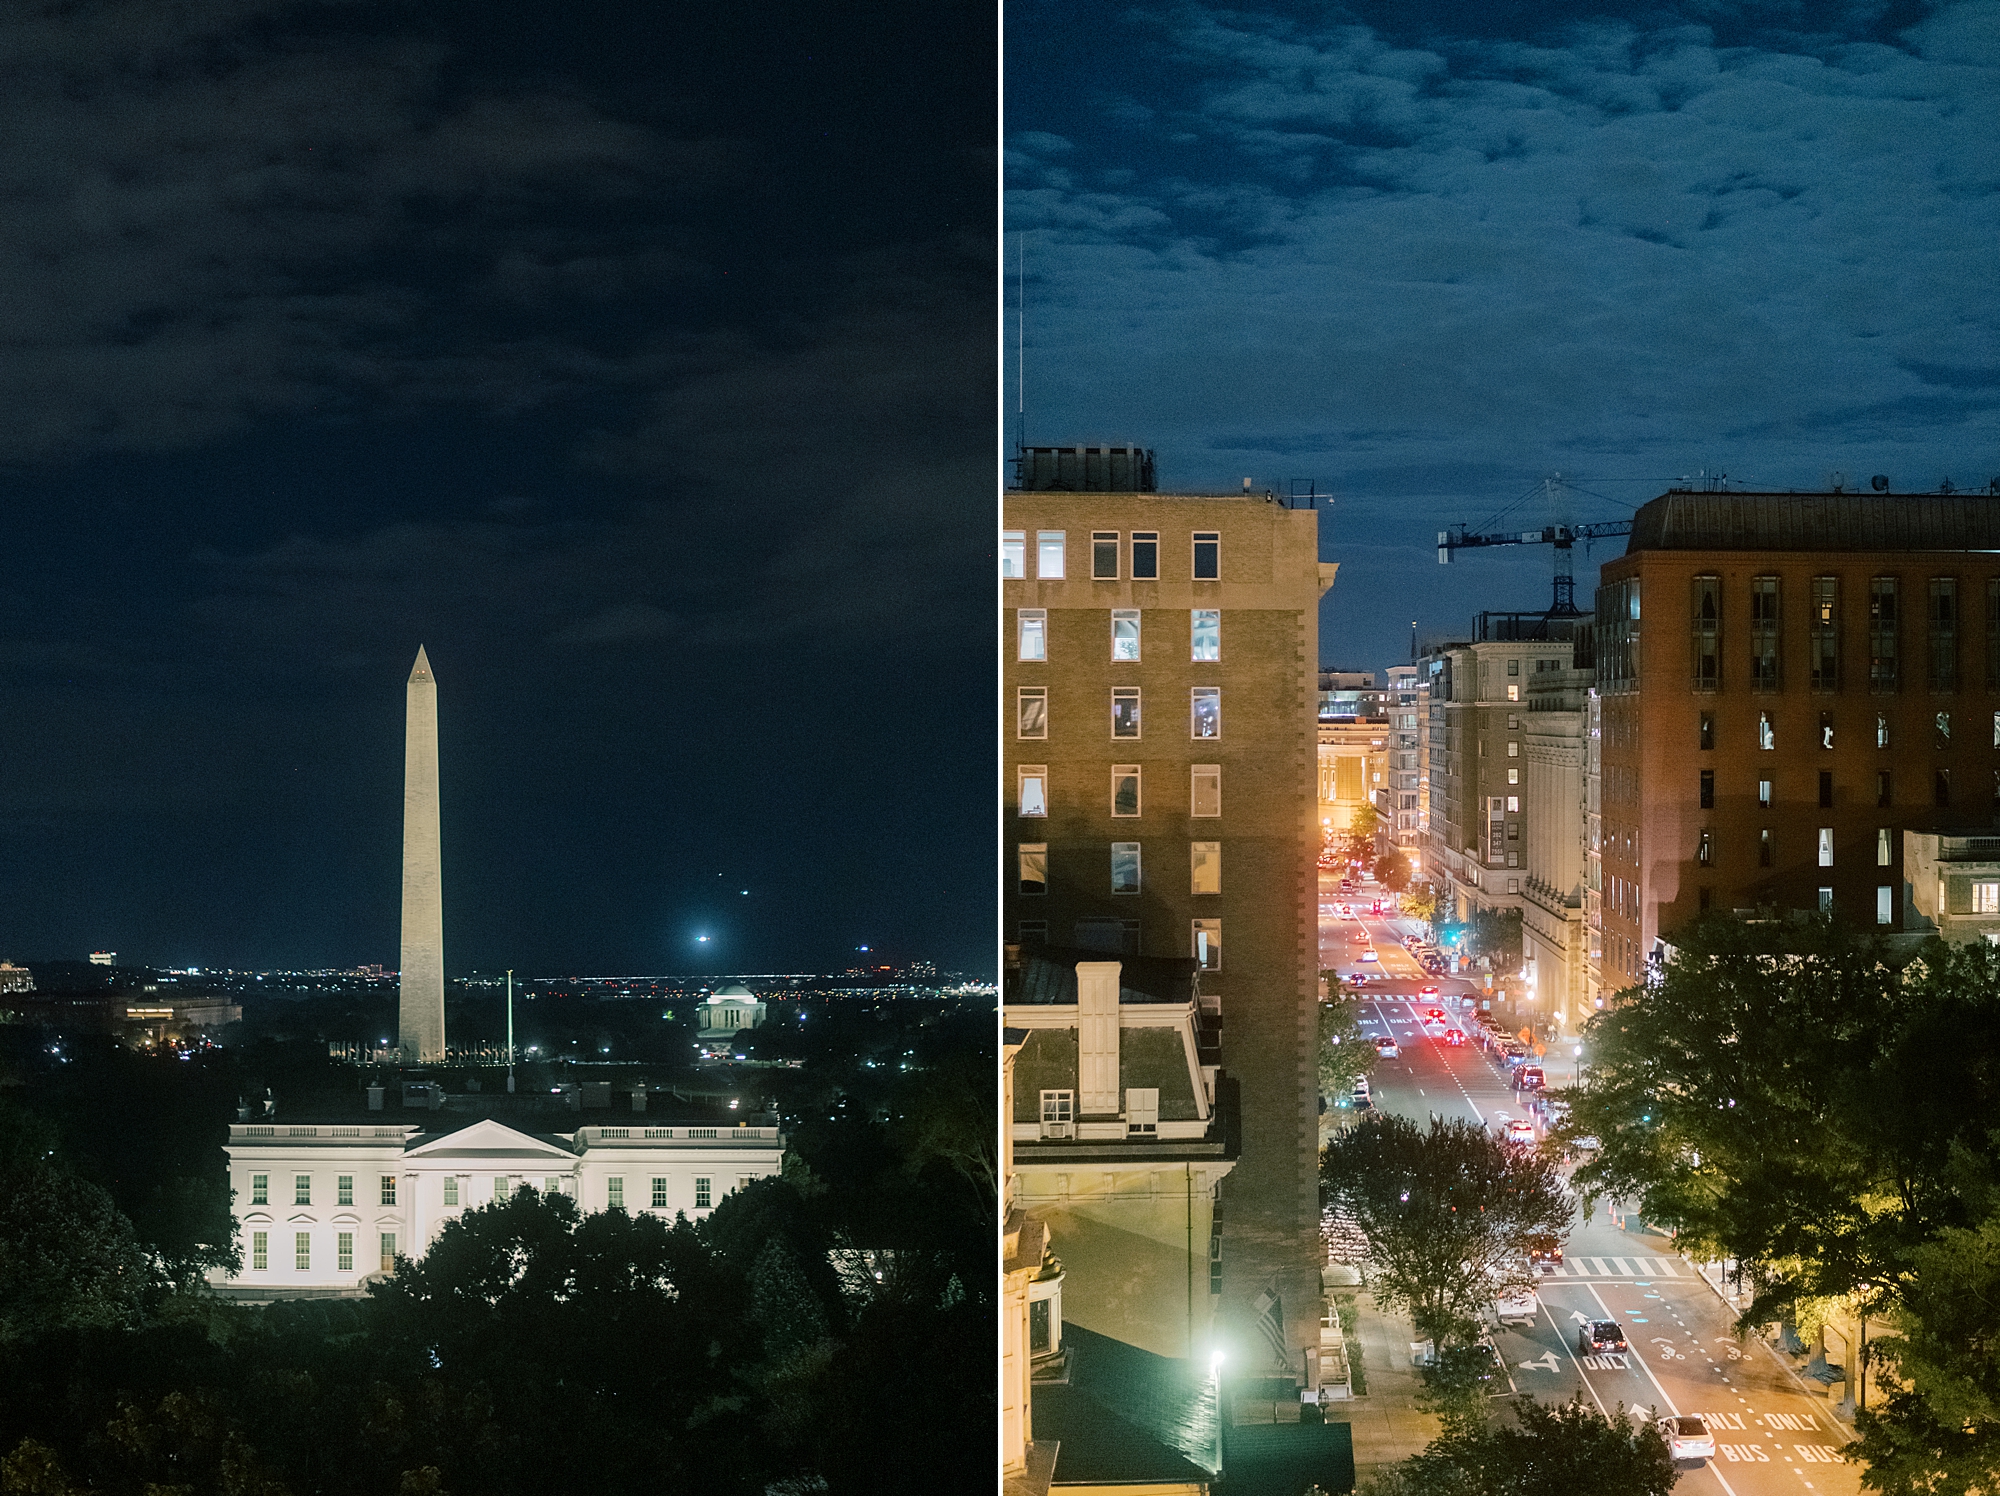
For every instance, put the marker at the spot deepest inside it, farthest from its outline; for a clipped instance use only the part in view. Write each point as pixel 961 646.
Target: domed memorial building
pixel 725 1013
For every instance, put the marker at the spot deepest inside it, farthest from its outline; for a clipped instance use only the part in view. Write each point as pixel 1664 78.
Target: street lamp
pixel 1576 1055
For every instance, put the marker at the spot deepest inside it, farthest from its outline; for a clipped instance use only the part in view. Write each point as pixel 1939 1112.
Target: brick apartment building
pixel 1161 655
pixel 1788 684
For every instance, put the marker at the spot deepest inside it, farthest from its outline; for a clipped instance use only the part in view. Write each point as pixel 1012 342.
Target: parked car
pixel 1363 1098
pixel 1597 1336
pixel 1687 1438
pixel 1521 1130
pixel 1529 1078
pixel 1511 1305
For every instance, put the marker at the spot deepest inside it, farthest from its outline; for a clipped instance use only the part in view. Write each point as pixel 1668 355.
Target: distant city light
pixel 701 940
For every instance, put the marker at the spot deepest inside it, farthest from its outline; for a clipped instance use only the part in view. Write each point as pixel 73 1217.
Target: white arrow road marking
pixel 1671 1407
pixel 1545 1362
pixel 1582 1319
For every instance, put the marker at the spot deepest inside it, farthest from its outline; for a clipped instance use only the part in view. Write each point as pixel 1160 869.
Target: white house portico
pixel 322 1207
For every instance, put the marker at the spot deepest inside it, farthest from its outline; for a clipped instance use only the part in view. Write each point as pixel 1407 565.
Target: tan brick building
pixel 1161 659
pixel 1789 683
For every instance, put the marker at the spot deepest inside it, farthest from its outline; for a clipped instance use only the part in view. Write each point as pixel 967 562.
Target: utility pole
pixel 510 1031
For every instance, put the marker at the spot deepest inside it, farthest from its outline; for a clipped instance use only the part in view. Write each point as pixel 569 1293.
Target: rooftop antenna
pixel 1021 346
pixel 1413 641
pixel 510 1031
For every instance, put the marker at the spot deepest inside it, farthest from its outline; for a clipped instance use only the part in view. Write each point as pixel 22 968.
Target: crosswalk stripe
pixel 1601 1269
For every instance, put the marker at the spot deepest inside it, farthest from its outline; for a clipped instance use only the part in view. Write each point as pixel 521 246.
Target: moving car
pixel 1597 1336
pixel 1687 1438
pixel 1430 991
pixel 1385 1048
pixel 1529 1078
pixel 1545 1251
pixel 1368 956
pixel 1454 1037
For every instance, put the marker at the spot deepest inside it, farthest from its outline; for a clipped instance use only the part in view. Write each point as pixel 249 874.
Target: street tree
pixel 1446 1213
pixel 1344 1055
pixel 1571 1447
pixel 1420 901
pixel 1392 871
pixel 1357 843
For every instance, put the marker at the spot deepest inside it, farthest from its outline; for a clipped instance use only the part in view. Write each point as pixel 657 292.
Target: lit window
pixel 1513 802
pixel 701 1193
pixel 1513 693
pixel 388 1189
pixel 1145 555
pixel 1049 555
pixel 1881 730
pixel 343 1190
pixel 659 1193
pixel 302 1251
pixel 451 1189
pixel 1207 556
pixel 1142 1111
pixel 1124 633
pixel 302 1189
pixel 1986 898
pixel 1767 734
pixel 1124 789
pixel 1881 846
pixel 614 1193
pixel 260 1189
pixel 1031 712
pixel 1207 636
pixel 1826 901
pixel 1125 711
pixel 1826 729
pixel 1884 909
pixel 1058 1113
pixel 1034 634
pixel 1124 867
pixel 1513 750
pixel 1205 712
pixel 1013 553
pixel 1104 556
pixel 1764 793
pixel 1205 867
pixel 260 1251
pixel 1205 790
pixel 343 1252
pixel 1033 797
pixel 388 1246
pixel 1826 846
pixel 1704 852
pixel 1513 776
pixel 1208 944
pixel 1034 867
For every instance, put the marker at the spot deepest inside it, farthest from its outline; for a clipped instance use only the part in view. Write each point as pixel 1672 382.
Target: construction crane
pixel 1562 537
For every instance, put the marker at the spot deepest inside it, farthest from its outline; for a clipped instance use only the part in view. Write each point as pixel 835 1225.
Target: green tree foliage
pixel 1790 1096
pixel 1496 935
pixel 1446 1212
pixel 68 1259
pixel 1357 842
pixel 1392 871
pixel 1420 901
pixel 1344 1055
pixel 1571 1447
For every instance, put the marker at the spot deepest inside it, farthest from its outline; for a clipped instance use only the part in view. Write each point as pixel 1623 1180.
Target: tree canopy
pixel 1446 1213
pixel 1570 1447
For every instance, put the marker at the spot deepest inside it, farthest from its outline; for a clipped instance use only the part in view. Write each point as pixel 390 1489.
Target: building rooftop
pixel 1685 521
pixel 1047 976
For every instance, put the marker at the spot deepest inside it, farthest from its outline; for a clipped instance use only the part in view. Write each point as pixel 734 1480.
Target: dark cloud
pixel 639 366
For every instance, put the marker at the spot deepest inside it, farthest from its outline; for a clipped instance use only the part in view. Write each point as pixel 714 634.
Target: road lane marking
pixel 1571 1352
pixel 1672 1407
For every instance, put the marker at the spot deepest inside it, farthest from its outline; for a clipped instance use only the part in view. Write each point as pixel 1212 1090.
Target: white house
pixel 322 1207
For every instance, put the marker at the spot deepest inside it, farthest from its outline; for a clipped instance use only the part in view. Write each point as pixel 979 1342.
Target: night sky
pixel 635 359
pixel 1429 253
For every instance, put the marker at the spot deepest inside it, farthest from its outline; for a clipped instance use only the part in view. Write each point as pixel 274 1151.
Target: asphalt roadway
pixel 1772 1436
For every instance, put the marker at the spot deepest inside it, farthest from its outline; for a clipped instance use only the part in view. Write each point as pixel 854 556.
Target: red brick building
pixel 1789 682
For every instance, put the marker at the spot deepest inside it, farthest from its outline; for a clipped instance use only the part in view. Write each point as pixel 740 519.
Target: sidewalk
pixel 1386 1425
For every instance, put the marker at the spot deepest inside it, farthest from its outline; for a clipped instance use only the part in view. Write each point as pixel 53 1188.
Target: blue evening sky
pixel 1429 254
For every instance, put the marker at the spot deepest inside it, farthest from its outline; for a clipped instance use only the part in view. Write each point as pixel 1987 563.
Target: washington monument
pixel 420 1013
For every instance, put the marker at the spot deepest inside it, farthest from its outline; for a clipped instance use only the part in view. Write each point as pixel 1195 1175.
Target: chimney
pixel 1097 1038
pixel 638 1096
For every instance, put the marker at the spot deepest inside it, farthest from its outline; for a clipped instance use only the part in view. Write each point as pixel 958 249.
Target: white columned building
pixel 323 1207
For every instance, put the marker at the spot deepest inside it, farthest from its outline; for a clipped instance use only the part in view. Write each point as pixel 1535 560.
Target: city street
pixel 1771 1435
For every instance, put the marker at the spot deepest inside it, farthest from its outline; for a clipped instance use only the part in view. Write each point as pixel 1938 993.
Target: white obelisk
pixel 420 1013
